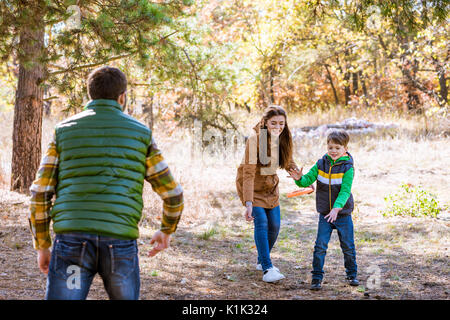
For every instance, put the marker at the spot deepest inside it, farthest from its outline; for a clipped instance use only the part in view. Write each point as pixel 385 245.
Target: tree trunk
pixel 443 90
pixel 132 101
pixel 347 87
pixel 336 99
pixel 28 107
pixel 147 109
pixel 264 96
pixel 364 88
pixel 413 101
pixel 346 78
pixel 47 104
pixel 409 67
pixel 362 78
pixel 355 83
pixel 247 107
pixel 271 75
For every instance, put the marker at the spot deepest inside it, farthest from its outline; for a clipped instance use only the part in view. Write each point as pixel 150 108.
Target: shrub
pixel 412 201
pixel 207 234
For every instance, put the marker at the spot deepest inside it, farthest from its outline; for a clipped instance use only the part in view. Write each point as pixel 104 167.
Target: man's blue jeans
pixel 267 226
pixel 344 227
pixel 77 257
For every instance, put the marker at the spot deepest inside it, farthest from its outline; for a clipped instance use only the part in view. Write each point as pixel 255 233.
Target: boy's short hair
pixel 340 137
pixel 106 83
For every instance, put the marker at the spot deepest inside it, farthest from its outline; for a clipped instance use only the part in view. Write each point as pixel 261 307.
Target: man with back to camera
pixel 96 165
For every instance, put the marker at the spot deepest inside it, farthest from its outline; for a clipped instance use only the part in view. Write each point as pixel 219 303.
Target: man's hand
pixel 248 211
pixel 162 242
pixel 332 216
pixel 43 258
pixel 296 174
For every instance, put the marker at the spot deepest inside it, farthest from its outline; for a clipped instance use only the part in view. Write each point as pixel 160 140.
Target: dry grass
pixel 213 250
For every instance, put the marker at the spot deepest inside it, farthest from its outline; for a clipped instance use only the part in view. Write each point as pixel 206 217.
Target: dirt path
pixel 218 263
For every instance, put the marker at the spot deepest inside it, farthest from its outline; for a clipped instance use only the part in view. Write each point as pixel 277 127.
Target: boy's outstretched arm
pixel 346 189
pixel 309 178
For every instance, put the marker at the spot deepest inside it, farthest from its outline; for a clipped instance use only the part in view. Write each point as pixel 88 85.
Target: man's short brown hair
pixel 339 137
pixel 106 83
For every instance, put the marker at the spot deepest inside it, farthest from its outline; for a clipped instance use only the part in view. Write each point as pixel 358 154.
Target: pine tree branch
pixel 228 120
pixel 431 93
pixel 50 98
pixel 191 63
pixel 91 65
pixel 384 46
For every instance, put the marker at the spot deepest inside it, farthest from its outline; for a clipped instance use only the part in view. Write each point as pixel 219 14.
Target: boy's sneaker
pixel 272 275
pixel 353 281
pixel 259 267
pixel 316 284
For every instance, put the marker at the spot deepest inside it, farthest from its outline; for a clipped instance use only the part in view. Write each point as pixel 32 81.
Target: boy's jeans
pixel 267 226
pixel 344 226
pixel 77 257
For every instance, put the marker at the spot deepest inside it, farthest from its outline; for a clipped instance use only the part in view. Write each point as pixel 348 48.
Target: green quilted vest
pixel 101 172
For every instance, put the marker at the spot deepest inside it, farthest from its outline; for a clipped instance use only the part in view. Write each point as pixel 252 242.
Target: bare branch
pixel 91 65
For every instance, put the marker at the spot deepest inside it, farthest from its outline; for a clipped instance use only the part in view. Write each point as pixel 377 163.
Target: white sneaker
pixel 272 275
pixel 259 267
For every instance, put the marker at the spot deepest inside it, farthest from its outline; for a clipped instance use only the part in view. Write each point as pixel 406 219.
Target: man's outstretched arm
pixel 42 191
pixel 163 183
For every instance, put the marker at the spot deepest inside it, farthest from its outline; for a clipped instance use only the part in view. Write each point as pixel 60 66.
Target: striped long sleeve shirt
pixel 44 188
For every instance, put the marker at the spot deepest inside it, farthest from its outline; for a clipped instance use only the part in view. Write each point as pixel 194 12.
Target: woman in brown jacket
pixel 257 182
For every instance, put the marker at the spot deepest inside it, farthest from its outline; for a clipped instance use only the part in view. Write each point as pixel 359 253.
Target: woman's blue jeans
pixel 77 257
pixel 267 226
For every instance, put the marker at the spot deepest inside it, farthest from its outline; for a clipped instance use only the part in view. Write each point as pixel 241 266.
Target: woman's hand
pixel 296 174
pixel 248 211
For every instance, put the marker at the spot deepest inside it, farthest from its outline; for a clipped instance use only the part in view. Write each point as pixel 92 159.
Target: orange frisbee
pixel 300 192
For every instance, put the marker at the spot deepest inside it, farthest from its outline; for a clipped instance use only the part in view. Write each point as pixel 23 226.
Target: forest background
pixel 377 68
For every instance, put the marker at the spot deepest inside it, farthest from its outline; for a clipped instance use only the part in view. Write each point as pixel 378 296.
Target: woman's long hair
pixel 285 139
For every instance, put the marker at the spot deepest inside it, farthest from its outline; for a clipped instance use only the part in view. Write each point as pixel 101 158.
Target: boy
pixel 334 201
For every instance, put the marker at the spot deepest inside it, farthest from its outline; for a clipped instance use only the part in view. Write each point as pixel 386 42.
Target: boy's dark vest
pixel 329 181
pixel 101 172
